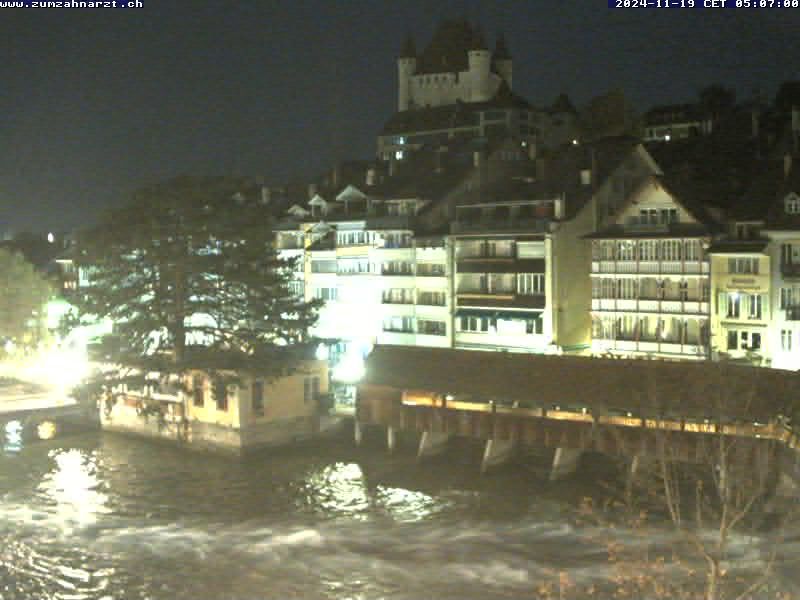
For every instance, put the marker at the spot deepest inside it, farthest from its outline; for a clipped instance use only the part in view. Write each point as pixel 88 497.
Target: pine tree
pixel 189 277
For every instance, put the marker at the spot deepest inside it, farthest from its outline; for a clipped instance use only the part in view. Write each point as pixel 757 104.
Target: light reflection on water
pixel 104 517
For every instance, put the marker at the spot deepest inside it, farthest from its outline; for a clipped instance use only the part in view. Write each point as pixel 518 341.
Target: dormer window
pixel 792 204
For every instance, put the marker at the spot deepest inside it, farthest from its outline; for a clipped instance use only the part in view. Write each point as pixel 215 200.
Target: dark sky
pixel 94 103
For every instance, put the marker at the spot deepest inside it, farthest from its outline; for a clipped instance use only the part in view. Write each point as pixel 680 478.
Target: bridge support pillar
pixel 565 462
pixel 391 438
pixel 357 433
pixel 432 443
pixel 497 452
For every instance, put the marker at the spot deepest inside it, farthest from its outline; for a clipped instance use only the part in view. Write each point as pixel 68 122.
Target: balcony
pixel 670 306
pixel 500 264
pixel 499 299
pixel 541 225
pixel 651 267
pixel 790 270
pixel 793 313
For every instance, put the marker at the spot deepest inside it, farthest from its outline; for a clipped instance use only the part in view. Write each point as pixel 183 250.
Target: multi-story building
pixel 741 286
pixel 783 230
pixel 650 277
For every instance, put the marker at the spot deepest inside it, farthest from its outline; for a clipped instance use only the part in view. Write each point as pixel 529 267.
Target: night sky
pixel 94 103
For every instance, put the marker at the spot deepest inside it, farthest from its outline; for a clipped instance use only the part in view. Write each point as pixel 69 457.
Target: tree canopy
pixel 23 295
pixel 188 275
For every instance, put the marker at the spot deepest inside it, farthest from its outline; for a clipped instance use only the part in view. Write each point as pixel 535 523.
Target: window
pixel 789 297
pixel 534 326
pixel 625 250
pixel 310 389
pixel 198 390
pixel 475 324
pixel 530 284
pixel 743 266
pixel 431 327
pixel 627 289
pixel 323 266
pixel 397 268
pixel 326 293
pixel 296 288
pixel 257 397
pixel 597 288
pixel 431 298
pixel 733 340
pixel 683 290
pixel 221 395
pixel 398 296
pixel 349 266
pixel 671 250
pixel 691 250
pixel 792 204
pixel 755 341
pixel 399 324
pixel 430 270
pixel 786 340
pixel 647 250
pixel 754 303
pixel 734 305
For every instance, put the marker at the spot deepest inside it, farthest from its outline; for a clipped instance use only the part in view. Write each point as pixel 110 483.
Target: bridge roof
pixel 643 387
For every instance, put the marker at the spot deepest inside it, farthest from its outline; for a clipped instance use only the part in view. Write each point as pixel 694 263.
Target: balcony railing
pixel 651 267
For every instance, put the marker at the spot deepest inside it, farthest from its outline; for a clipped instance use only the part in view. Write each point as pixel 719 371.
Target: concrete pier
pixel 432 443
pixel 565 462
pixel 497 452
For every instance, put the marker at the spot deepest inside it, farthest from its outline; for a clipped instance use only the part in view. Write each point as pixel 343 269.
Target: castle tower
pixel 480 62
pixel 406 68
pixel 502 60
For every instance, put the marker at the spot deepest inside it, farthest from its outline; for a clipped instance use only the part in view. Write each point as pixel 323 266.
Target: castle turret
pixel 502 60
pixel 480 62
pixel 406 68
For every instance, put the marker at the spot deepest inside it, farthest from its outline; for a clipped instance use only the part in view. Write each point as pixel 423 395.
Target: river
pixel 100 516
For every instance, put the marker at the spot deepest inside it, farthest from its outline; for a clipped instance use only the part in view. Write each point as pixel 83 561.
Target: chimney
pixel 266 194
pixel 370 176
pixel 312 190
pixel 787 165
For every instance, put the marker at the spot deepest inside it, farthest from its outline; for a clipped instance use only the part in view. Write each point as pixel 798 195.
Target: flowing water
pixel 100 516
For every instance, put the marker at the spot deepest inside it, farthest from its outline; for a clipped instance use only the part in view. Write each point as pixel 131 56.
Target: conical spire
pixel 478 41
pixel 501 50
pixel 409 49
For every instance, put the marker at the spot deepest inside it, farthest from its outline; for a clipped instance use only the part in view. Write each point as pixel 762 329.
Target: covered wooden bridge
pixel 574 403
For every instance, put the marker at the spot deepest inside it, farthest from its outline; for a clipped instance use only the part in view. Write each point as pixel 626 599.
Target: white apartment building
pixel 651 278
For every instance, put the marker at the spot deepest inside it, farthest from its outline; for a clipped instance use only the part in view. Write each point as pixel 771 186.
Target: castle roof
pixel 409 49
pixel 447 50
pixel 501 50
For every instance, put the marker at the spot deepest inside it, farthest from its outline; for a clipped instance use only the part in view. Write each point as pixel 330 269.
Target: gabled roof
pixel 448 48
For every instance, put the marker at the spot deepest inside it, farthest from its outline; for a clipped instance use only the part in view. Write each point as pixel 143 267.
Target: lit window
pixel 786 339
pixel 399 155
pixel 792 204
